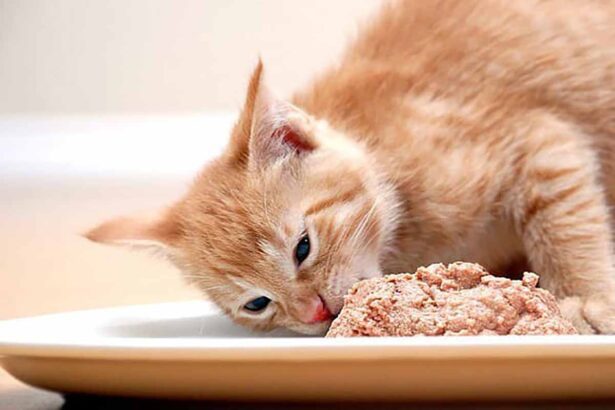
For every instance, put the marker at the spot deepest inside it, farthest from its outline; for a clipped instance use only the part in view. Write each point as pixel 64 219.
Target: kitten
pixel 477 130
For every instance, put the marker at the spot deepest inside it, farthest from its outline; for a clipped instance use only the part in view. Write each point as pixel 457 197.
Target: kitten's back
pixel 498 57
pixel 549 53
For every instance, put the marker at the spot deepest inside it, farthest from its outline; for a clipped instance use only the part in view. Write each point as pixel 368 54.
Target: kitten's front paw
pixel 599 311
pixel 572 309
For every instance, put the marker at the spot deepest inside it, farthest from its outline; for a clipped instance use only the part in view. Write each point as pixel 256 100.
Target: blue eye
pixel 258 304
pixel 302 250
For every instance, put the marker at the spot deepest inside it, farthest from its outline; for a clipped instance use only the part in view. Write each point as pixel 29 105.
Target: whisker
pixel 362 225
pixel 366 222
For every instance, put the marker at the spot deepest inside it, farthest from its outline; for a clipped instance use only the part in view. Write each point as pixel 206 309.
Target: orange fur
pixel 450 130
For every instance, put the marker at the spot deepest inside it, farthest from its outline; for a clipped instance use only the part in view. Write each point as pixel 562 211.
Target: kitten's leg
pixel 562 215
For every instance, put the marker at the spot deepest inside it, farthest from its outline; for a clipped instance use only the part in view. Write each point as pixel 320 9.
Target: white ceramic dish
pixel 188 350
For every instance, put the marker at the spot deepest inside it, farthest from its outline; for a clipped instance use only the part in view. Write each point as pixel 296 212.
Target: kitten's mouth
pixel 324 313
pixel 332 309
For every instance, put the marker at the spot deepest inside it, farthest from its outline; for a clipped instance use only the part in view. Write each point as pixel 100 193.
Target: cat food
pixel 461 299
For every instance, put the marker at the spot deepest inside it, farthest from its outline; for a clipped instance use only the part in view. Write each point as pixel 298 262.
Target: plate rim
pixel 294 348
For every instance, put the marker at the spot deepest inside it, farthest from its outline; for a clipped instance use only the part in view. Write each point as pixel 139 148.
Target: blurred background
pixel 109 107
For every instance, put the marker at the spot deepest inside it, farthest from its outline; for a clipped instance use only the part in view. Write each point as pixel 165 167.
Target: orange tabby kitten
pixel 477 130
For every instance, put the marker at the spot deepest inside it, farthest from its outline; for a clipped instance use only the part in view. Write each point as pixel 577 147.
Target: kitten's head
pixel 278 228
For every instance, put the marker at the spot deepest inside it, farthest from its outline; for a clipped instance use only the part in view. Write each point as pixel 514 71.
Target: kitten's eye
pixel 258 304
pixel 303 249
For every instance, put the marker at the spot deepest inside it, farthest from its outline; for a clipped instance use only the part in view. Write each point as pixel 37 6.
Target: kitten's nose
pixel 317 312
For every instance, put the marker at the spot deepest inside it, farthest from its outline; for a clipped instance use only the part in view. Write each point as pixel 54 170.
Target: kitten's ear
pixel 156 231
pixel 269 128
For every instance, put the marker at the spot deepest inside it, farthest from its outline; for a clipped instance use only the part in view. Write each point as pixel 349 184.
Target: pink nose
pixel 319 312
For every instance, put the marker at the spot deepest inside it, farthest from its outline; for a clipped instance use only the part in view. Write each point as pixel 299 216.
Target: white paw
pixel 599 312
pixel 572 309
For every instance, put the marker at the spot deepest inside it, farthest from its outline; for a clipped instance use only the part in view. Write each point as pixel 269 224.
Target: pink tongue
pixel 321 314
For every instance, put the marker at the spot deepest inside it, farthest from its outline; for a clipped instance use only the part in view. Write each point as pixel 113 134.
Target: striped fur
pixel 478 130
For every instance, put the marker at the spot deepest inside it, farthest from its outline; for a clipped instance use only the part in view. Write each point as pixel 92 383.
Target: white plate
pixel 188 350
